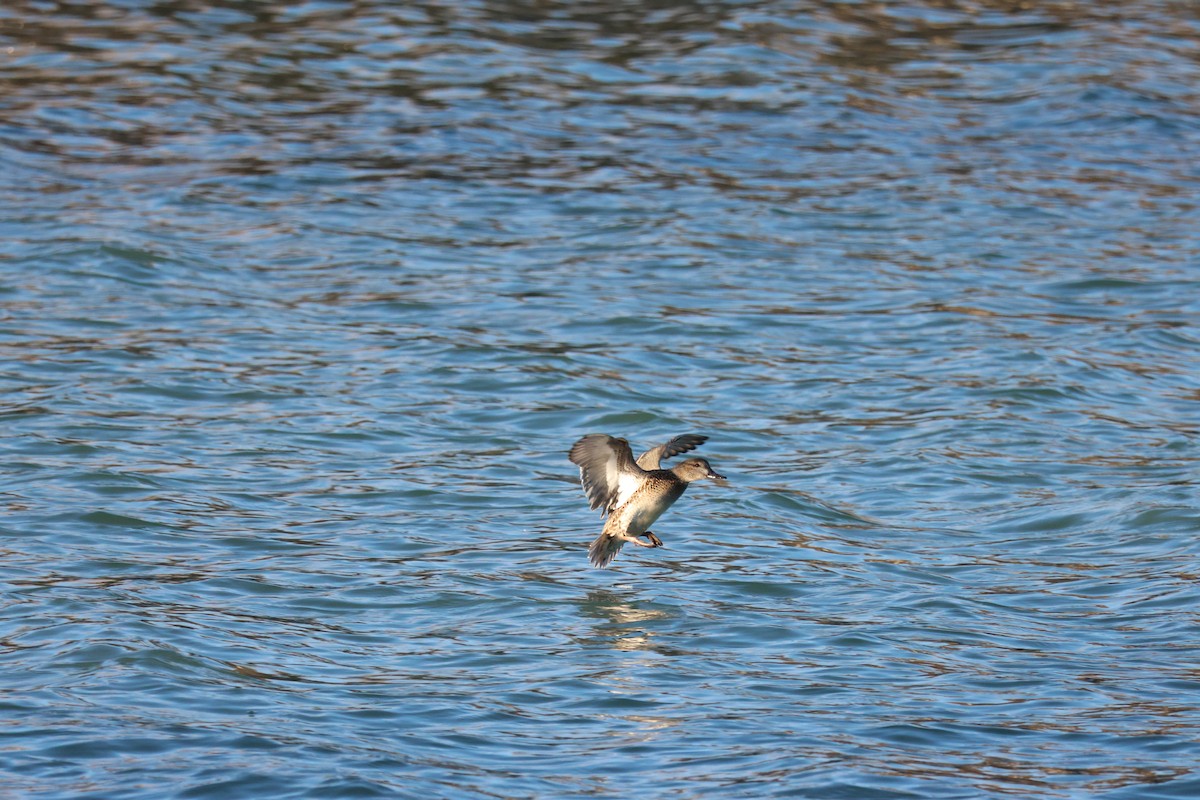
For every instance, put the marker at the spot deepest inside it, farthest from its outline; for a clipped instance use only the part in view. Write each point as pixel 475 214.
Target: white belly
pixel 640 512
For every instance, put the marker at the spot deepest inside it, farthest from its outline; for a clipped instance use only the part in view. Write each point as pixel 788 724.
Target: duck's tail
pixel 604 549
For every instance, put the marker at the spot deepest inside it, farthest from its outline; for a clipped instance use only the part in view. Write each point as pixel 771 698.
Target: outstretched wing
pixel 652 458
pixel 606 470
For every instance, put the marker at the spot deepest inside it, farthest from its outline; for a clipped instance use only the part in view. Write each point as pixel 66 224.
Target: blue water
pixel 302 306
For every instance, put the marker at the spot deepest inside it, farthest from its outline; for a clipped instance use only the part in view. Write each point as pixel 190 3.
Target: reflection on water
pixel 621 619
pixel 303 304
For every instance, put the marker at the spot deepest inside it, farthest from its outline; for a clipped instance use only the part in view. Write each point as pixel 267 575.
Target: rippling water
pixel 302 305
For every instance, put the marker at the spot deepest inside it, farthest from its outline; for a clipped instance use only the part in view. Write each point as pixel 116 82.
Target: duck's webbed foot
pixel 654 541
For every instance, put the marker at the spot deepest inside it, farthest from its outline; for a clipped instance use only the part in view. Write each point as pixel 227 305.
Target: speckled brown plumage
pixel 630 495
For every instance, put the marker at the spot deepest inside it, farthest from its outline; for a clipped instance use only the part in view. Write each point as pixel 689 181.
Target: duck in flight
pixel 633 494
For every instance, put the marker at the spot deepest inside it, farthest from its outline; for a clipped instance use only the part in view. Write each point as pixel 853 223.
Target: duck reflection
pixel 620 621
pixel 620 618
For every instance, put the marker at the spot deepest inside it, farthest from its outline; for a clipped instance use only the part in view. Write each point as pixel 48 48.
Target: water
pixel 302 306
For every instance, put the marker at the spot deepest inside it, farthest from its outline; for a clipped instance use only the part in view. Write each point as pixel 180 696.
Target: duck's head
pixel 695 469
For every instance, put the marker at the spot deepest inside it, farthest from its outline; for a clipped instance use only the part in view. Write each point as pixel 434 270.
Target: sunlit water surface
pixel 303 304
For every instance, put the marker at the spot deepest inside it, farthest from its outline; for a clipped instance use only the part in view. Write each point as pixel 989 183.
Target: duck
pixel 633 494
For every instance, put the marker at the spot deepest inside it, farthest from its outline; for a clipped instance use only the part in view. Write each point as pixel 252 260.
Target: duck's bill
pixel 714 476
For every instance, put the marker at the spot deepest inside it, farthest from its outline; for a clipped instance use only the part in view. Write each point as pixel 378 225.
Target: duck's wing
pixel 606 470
pixel 652 458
